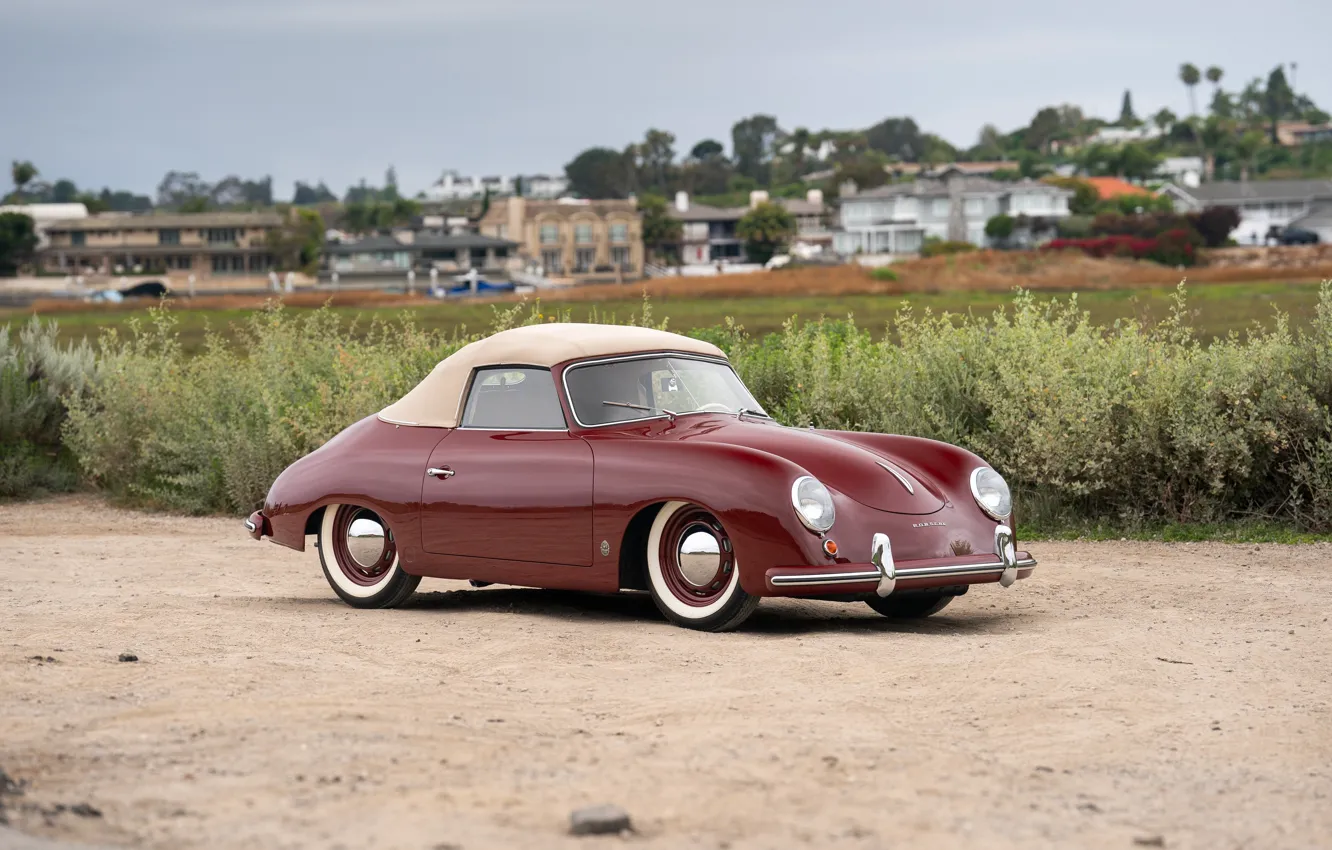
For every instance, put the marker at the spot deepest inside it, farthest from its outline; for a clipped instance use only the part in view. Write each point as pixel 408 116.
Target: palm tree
pixel 1214 75
pixel 1164 119
pixel 1246 148
pixel 1189 76
pixel 22 174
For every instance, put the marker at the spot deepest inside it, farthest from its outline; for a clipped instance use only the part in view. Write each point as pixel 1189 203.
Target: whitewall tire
pixel 360 558
pixel 692 570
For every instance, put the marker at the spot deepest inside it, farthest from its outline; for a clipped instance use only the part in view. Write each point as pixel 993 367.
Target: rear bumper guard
pixel 257 525
pixel 885 573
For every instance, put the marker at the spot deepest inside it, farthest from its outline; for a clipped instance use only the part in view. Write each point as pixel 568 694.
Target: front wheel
pixel 692 571
pixel 360 558
pixel 910 606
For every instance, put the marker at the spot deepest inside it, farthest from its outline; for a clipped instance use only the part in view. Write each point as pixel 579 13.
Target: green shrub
pixel 1129 424
pixel 999 227
pixel 884 273
pixel 36 376
pixel 1122 426
pixel 935 247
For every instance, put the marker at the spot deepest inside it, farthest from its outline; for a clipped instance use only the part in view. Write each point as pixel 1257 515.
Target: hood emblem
pixel 900 477
pixel 928 525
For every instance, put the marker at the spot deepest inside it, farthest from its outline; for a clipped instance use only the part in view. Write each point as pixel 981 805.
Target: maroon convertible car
pixel 605 458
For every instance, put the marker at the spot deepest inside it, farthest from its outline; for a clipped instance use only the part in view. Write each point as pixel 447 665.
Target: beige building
pixel 203 244
pixel 583 240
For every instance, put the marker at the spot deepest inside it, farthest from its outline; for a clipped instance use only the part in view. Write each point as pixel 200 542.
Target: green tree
pixel 899 137
pixel 598 173
pixel 753 143
pixel 657 160
pixel 865 169
pixel 1000 227
pixel 1164 120
pixel 1135 161
pixel 1278 99
pixel 64 192
pixel 1214 75
pixel 707 149
pixel 22 172
pixel 1126 116
pixel 306 195
pixel 661 231
pixel 179 188
pixel 1085 197
pixel 18 240
pixel 1043 130
pixel 765 229
pixel 1189 76
pixel 1246 149
pixel 297 243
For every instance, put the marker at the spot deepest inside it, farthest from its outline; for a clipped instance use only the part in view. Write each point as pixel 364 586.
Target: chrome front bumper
pixel 886 573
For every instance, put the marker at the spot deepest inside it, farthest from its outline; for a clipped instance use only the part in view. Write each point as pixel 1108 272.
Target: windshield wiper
pixel 669 413
pixel 752 412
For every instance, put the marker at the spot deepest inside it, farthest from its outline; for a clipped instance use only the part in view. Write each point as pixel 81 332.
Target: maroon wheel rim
pixel 693 586
pixel 373 558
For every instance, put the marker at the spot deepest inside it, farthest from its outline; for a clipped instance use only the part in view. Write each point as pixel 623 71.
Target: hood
pixel 877 480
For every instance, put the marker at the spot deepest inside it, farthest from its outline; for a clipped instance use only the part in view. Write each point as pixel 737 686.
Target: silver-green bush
pixel 37 375
pixel 1128 425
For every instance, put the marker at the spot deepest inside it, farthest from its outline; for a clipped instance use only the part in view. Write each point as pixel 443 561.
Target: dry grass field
pixel 1244 287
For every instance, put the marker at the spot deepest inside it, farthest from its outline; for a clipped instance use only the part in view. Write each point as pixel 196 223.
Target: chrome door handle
pixel 440 473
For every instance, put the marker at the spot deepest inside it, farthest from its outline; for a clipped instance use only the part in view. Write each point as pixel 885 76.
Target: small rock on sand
pixel 605 819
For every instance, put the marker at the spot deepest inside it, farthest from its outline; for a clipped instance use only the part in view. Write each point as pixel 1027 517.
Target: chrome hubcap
pixel 365 541
pixel 699 556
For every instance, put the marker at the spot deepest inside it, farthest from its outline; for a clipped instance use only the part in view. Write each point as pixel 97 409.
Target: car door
pixel 511 482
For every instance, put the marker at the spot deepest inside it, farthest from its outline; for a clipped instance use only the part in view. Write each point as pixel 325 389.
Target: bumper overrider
pixel 883 575
pixel 257 525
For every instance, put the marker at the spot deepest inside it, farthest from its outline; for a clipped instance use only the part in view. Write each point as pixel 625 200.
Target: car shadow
pixel 775 617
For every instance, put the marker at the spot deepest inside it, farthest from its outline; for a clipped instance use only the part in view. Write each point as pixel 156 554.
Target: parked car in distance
pixel 1298 236
pixel 608 458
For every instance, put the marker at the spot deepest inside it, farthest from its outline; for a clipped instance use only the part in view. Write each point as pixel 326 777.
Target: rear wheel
pixel 360 558
pixel 910 606
pixel 692 571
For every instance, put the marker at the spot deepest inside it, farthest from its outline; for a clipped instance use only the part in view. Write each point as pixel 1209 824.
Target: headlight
pixel 991 492
pixel 812 503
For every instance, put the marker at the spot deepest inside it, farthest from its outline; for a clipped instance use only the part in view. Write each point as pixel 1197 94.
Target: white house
pixel 897 218
pixel 1123 135
pixel 1186 171
pixel 44 215
pixel 545 186
pixel 1262 204
pixel 451 186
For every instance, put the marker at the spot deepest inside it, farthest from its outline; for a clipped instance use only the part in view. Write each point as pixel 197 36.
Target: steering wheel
pixel 715 407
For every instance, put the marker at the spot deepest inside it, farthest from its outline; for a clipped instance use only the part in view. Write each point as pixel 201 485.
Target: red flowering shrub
pixel 1172 248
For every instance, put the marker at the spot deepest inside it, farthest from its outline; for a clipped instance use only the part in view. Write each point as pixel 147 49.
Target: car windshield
pixel 622 390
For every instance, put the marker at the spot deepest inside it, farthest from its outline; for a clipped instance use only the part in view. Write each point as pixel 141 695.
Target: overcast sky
pixel 117 92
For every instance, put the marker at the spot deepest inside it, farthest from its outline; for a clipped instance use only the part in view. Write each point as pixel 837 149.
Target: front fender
pixel 747 489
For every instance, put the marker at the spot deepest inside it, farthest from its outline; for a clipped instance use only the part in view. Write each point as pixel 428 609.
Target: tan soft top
pixel 436 402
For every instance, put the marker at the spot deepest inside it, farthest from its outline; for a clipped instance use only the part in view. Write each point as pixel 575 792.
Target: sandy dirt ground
pixel 1129 693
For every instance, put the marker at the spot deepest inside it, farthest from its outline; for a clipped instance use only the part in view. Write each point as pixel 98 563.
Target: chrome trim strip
pixel 862 576
pixel 900 477
pixel 515 430
pixel 249 524
pixel 564 379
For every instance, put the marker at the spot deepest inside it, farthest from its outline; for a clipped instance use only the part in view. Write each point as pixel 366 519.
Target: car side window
pixel 505 397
